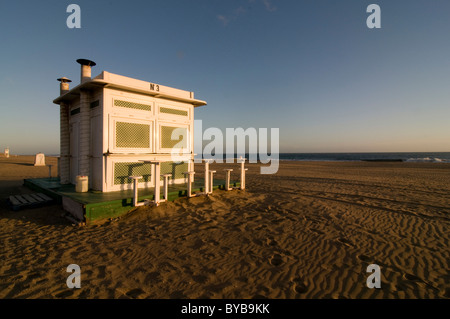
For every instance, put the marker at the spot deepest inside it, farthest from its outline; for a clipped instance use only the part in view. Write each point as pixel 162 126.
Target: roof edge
pixel 99 81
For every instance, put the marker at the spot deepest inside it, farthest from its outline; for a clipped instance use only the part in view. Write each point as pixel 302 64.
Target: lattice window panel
pixel 166 137
pixel 123 170
pixel 173 111
pixel 132 105
pixel 132 135
pixel 176 169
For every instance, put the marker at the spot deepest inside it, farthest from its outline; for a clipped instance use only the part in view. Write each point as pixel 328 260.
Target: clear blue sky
pixel 311 68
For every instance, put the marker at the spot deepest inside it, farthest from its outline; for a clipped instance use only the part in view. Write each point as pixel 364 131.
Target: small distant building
pixel 7 152
pixel 108 124
pixel 39 159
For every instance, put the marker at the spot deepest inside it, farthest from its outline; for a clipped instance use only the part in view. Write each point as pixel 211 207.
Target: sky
pixel 311 68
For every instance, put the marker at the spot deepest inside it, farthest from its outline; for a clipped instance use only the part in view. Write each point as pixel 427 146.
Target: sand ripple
pixel 308 232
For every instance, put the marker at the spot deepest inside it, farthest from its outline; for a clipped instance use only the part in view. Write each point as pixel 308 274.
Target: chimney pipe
pixel 64 85
pixel 85 69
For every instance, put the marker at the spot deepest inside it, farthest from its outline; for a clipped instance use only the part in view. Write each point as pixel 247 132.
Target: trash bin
pixel 82 184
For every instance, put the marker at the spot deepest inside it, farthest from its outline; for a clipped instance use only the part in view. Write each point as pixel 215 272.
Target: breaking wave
pixel 428 160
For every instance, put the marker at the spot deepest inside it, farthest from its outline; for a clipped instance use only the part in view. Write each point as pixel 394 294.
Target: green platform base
pixel 93 205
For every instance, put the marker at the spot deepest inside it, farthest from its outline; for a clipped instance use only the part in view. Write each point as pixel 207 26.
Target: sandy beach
pixel 309 231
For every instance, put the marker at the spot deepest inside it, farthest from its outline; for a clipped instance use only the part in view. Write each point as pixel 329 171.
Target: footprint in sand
pixel 364 258
pixel 337 295
pixel 259 227
pixel 200 279
pixel 276 260
pixel 32 276
pixel 271 242
pixel 101 272
pixel 411 277
pixel 299 286
pixel 446 293
pixel 65 294
pixel 153 277
pixel 257 241
pixel 135 293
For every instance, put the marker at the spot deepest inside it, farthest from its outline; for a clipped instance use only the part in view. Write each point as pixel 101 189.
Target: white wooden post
pixel 135 189
pixel 207 162
pixel 243 169
pixel 157 183
pixel 157 175
pixel 211 181
pixel 166 186
pixel 189 184
pixel 227 179
pixel 243 179
pixel 206 177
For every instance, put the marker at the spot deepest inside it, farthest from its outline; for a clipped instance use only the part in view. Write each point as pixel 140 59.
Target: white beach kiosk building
pixel 113 127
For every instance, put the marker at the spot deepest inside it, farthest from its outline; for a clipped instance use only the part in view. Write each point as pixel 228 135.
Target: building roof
pixel 120 82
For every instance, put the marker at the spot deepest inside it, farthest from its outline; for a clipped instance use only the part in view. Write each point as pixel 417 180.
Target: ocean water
pixel 430 157
pixel 423 157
